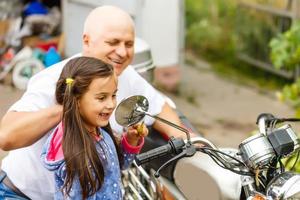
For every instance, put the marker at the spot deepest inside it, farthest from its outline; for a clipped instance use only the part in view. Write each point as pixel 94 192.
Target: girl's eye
pixel 101 98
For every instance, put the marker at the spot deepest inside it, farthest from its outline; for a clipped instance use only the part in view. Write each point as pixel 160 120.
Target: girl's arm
pixel 135 133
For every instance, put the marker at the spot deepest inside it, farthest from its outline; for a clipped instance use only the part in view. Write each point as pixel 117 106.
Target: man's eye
pixel 112 43
pixel 129 45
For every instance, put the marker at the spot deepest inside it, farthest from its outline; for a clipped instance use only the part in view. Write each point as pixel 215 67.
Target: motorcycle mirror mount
pixel 133 109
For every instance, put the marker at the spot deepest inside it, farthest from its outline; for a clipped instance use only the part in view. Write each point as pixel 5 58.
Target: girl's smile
pixel 98 103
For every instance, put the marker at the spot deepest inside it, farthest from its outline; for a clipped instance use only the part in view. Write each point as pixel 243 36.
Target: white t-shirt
pixel 23 166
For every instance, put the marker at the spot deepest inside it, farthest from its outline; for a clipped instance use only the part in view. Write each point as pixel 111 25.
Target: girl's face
pixel 98 103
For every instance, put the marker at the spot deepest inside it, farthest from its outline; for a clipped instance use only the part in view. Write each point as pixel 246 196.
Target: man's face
pixel 114 45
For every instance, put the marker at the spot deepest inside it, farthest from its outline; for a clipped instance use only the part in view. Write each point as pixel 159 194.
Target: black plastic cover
pixel 282 143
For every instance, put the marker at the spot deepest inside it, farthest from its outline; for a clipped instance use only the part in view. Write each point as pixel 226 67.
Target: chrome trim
pixel 256 151
pixel 280 185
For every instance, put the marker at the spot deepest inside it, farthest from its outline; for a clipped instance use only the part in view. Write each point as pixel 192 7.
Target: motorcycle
pixel 255 170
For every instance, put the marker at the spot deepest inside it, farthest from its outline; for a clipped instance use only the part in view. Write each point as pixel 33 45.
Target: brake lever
pixel 189 151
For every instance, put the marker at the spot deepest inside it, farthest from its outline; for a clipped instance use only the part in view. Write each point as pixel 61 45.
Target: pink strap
pixel 129 148
pixel 55 151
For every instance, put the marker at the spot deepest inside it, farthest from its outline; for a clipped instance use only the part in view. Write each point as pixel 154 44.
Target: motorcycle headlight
pixel 285 186
pixel 294 192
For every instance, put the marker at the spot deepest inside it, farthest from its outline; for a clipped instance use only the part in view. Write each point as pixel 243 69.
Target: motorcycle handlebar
pixel 152 154
pixel 174 146
pixel 177 146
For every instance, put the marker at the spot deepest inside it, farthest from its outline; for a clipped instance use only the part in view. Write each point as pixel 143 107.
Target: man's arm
pixel 21 129
pixel 169 114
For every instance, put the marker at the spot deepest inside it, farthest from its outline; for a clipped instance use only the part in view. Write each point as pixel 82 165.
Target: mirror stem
pixel 173 125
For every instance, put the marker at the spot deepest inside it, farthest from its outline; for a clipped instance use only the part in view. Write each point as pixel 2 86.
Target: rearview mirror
pixel 131 110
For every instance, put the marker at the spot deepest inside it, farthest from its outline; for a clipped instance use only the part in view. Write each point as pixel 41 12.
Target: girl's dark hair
pixel 81 157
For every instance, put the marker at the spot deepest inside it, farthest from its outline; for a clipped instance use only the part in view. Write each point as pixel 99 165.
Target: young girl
pixel 82 151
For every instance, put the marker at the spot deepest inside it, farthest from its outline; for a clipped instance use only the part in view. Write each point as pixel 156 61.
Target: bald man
pixel 108 35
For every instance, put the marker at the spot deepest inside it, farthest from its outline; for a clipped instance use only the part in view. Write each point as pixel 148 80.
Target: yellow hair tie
pixel 69 81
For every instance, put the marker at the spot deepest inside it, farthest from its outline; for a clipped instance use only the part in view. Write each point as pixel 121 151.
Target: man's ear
pixel 86 40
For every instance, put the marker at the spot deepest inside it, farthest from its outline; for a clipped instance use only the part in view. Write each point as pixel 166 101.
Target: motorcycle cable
pixel 219 161
pixel 272 169
pixel 273 124
pixel 297 158
pixel 188 151
pixel 262 182
pixel 216 158
pixel 225 154
pixel 271 118
pixel 223 165
pixel 271 121
pixel 288 119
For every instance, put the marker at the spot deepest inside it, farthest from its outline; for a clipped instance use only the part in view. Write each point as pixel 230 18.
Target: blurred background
pixel 223 62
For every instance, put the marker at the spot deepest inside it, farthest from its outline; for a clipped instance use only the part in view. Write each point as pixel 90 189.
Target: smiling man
pixel 112 41
pixel 108 35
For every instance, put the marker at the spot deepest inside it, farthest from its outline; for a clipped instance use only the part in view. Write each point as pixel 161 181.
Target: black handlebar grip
pixel 152 154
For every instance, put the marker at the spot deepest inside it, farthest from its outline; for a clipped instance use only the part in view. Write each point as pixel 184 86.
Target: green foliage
pixel 291 93
pixel 202 34
pixel 254 30
pixel 285 53
pixel 215 29
pixel 290 161
pixel 210 25
pixel 285 48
